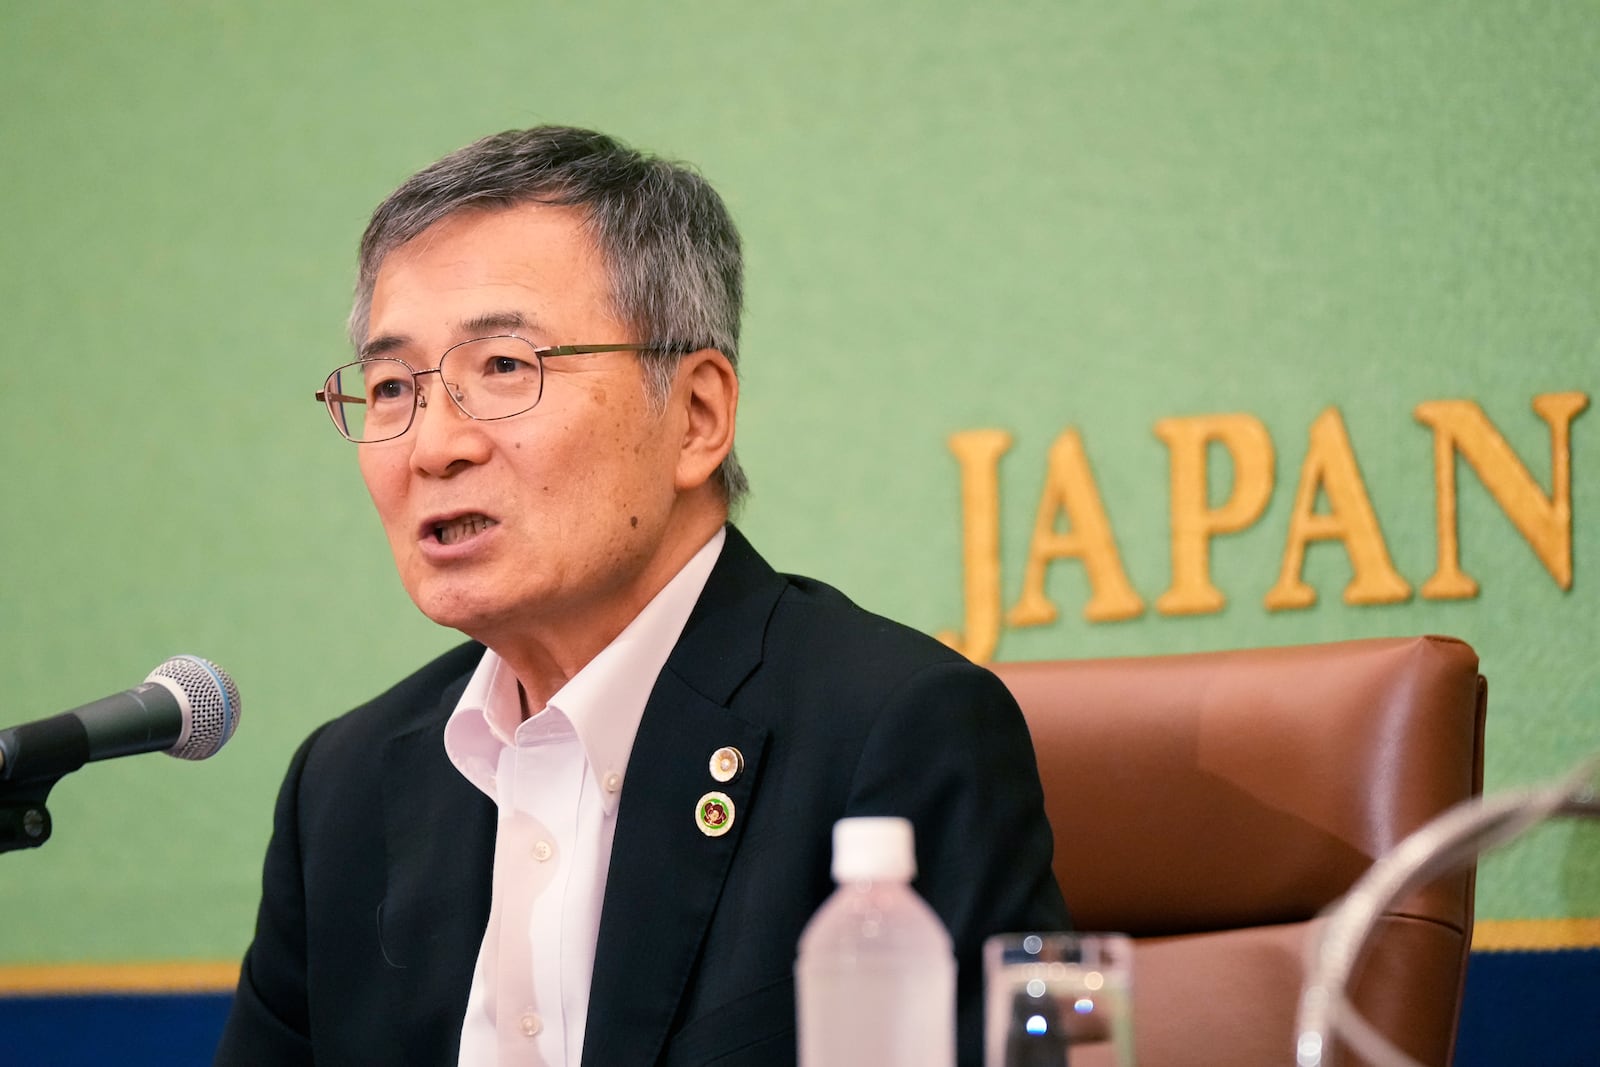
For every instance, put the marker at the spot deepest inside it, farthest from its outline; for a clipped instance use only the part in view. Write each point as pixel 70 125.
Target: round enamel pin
pixel 726 763
pixel 714 814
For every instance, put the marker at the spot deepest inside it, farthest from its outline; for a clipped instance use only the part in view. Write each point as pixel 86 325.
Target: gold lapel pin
pixel 714 814
pixel 727 763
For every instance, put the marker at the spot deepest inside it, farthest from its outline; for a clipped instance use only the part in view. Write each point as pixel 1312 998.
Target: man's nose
pixel 445 436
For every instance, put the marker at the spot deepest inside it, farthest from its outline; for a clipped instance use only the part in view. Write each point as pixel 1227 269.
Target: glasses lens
pixel 493 377
pixel 372 400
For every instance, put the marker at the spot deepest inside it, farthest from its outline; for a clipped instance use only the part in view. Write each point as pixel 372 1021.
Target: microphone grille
pixel 210 705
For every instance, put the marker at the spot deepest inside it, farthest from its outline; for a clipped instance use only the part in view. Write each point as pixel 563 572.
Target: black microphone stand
pixel 38 756
pixel 24 820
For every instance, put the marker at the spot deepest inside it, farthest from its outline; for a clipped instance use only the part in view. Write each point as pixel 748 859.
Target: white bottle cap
pixel 875 849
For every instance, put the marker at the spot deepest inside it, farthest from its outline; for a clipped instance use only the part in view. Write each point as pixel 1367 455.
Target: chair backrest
pixel 1212 804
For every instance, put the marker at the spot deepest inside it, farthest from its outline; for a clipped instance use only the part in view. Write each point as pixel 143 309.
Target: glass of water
pixel 1053 999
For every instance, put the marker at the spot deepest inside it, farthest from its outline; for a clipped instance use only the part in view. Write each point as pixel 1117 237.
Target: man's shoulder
pixel 822 646
pixel 777 620
pixel 775 635
pixel 813 613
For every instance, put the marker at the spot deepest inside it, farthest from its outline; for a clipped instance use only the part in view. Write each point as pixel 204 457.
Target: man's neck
pixel 544 654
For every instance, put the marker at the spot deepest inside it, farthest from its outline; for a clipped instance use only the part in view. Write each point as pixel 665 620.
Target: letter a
pixel 1330 466
pixel 1070 487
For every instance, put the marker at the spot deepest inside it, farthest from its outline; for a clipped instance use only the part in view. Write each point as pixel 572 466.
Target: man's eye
pixel 389 390
pixel 507 365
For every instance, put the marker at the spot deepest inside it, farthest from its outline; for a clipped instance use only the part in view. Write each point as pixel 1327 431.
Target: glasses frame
pixel 332 401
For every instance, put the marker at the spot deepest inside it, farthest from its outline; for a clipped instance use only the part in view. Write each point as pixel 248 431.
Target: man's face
pixel 555 517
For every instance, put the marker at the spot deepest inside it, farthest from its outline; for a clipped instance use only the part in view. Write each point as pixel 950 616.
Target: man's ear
pixel 707 393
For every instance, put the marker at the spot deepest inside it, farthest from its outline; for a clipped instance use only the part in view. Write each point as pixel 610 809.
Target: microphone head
pixel 209 701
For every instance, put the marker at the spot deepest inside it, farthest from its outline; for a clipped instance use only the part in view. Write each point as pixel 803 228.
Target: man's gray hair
pixel 670 248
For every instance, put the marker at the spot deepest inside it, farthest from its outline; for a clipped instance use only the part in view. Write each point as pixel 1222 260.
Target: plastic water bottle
pixel 875 982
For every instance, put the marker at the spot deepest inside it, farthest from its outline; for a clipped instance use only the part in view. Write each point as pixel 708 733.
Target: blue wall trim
pixel 156 1030
pixel 1521 1008
pixel 1531 1008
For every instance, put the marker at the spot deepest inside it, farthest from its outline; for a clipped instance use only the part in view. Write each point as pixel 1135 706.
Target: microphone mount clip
pixel 24 820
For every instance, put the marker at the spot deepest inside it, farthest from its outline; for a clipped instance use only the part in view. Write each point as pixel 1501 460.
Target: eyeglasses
pixel 487 378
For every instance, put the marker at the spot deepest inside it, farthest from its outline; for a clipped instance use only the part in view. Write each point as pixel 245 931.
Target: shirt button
pixel 531 1024
pixel 613 782
pixel 541 852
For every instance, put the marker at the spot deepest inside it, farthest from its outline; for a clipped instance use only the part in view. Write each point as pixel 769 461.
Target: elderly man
pixel 593 834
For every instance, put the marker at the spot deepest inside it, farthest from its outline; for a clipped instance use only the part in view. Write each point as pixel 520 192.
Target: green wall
pixel 1025 216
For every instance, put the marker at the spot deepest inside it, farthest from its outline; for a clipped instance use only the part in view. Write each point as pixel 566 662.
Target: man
pixel 594 834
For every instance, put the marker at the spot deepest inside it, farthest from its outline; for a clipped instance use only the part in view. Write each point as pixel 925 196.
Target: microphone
pixel 187 707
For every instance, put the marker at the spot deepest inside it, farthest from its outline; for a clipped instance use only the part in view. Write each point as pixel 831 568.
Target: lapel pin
pixel 726 763
pixel 714 814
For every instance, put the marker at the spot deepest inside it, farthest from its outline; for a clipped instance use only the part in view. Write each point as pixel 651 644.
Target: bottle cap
pixel 875 849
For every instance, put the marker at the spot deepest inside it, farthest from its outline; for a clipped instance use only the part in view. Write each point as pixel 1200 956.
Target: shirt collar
pixel 604 701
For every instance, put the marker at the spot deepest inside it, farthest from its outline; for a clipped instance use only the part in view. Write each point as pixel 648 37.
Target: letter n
pixel 1545 522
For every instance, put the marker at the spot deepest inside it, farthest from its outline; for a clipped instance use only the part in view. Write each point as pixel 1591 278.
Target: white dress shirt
pixel 557 779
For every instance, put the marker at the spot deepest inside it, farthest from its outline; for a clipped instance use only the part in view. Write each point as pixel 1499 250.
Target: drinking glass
pixel 1053 999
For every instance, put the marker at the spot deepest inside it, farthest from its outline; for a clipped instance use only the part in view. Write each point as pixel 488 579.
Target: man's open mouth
pixel 459 529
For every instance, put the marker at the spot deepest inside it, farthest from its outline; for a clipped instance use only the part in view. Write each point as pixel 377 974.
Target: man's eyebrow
pixel 493 321
pixel 478 326
pixel 381 346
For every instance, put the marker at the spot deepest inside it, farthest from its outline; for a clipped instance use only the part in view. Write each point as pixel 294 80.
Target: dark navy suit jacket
pixel 377 880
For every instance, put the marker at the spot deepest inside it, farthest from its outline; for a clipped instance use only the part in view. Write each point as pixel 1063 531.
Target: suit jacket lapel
pixel 439 846
pixel 666 875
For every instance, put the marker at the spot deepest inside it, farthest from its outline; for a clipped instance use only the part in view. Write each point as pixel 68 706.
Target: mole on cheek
pixel 633 520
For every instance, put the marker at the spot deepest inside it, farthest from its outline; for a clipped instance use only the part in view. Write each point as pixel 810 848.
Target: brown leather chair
pixel 1212 804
